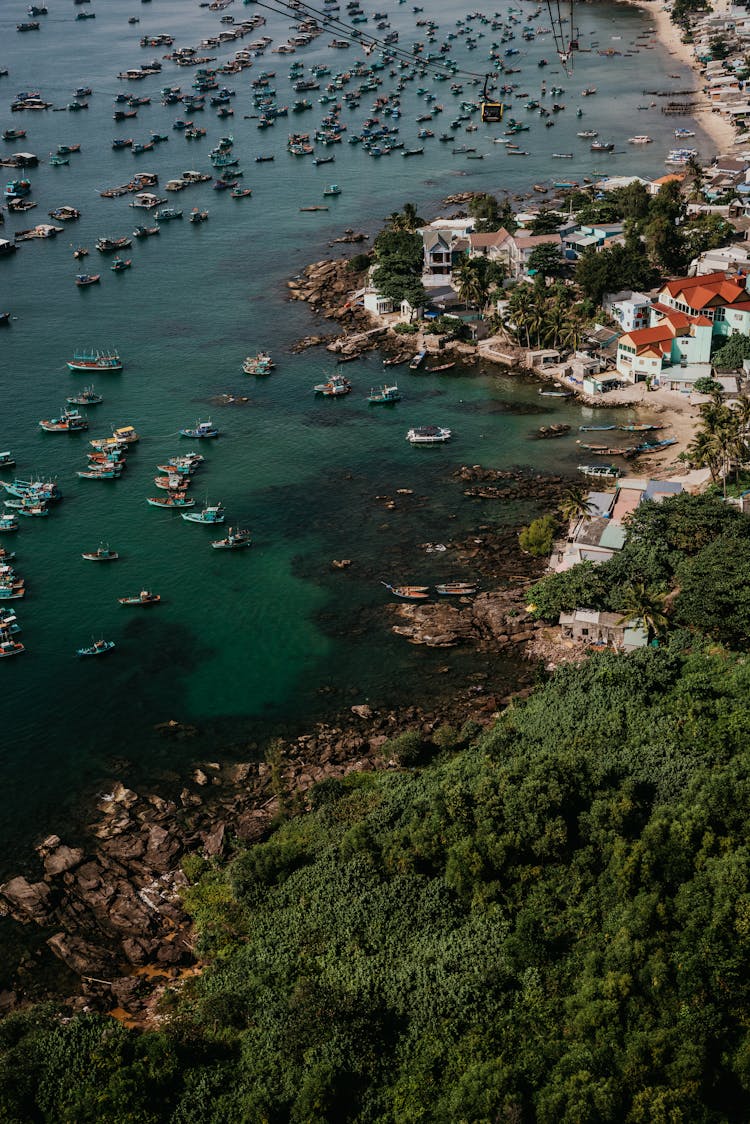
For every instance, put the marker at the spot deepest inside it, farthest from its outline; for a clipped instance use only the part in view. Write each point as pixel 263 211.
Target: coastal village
pixel 618 291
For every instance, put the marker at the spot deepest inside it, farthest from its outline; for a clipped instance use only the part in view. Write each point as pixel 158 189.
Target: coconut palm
pixel 645 604
pixel 575 504
pixel 469 283
pixel 407 219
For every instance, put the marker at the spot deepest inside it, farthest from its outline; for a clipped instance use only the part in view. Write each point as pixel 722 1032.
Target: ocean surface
pixel 249 641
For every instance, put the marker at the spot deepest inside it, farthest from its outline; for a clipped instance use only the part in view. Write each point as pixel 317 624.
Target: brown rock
pixel 27 901
pixel 62 859
pixel 362 710
pixel 81 956
pixel 213 843
pixel 161 849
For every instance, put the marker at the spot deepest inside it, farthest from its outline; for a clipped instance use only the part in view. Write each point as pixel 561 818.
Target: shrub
pixel 537 538
pixel 359 263
pixel 405 748
pixel 406 329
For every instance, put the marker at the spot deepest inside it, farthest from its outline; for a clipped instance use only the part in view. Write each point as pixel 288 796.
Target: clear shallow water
pixel 242 641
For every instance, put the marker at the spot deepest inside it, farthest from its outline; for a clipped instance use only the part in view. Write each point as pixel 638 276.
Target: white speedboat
pixel 428 435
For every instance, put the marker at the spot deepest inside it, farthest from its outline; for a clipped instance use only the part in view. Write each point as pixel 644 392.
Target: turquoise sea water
pixel 243 641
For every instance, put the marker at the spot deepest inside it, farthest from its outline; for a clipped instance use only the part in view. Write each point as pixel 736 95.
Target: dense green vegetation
pixel 552 925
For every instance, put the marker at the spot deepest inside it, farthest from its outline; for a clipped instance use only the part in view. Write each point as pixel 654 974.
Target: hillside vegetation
pixel 550 925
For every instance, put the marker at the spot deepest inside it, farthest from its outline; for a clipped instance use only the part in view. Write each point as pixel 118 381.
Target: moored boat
pixel 83 279
pixel 171 500
pixel 600 471
pixel 69 421
pixel 383 395
pixel 233 541
pixel 119 265
pixel 7 460
pixel 336 387
pixel 101 554
pixel 86 397
pixel 201 430
pixel 260 364
pixel 145 597
pixel 428 435
pixel 408 592
pixel 9 647
pixel 211 513
pixel 98 648
pixel 456 589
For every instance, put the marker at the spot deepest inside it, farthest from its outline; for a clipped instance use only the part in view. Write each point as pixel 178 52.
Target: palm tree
pixel 407 220
pixel 645 604
pixel 575 504
pixel 470 288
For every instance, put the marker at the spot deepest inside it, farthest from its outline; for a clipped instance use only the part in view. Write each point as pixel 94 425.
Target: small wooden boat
pixel 183 465
pixel 83 279
pixel 417 361
pixel 7 460
pixel 80 252
pixel 556 393
pixel 198 216
pixel 428 435
pixel 313 208
pixel 142 598
pixel 113 245
pixel 119 265
pixel 442 367
pixel 8 523
pixel 595 428
pixel 408 592
pixel 101 554
pixel 240 192
pixel 146 231
pixel 456 589
pixel 98 648
pixel 235 540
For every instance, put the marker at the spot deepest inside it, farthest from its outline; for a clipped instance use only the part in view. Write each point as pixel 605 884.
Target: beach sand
pixel 680 413
pixel 670 36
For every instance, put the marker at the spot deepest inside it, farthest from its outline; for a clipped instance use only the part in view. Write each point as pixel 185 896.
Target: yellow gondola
pixel 491 110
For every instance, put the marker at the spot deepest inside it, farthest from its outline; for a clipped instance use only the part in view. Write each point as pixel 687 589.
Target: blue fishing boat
pixel 417 361
pixel 101 554
pixel 211 513
pixel 202 429
pixel 383 395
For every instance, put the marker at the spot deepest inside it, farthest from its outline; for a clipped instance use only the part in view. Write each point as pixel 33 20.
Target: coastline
pixel 670 37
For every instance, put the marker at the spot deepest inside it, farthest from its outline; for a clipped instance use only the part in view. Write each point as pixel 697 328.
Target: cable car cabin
pixel 492 110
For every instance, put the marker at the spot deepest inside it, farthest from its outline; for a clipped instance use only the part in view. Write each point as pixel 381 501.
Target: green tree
pixel 733 353
pixel 485 210
pixel 583 586
pixel 547 260
pixel 714 591
pixel 546 222
pixel 399 258
pixel 575 504
pixel 537 538
pixel 645 605
pixel 613 269
pixel 707 386
pixel 407 220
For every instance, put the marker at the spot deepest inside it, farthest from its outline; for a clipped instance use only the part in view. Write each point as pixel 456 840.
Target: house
pixel 597 237
pixel 676 339
pixel 631 310
pixel 672 177
pixel 719 297
pixel 605 630
pixel 522 246
pixel 374 302
pixel 442 253
pixel 495 246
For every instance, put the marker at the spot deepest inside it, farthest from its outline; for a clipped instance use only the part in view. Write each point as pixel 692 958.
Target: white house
pixel 631 310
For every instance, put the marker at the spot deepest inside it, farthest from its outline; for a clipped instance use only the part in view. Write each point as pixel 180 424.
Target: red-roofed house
pixel 687 313
pixel 675 339
pixel 495 246
pixel 523 245
pixel 719 297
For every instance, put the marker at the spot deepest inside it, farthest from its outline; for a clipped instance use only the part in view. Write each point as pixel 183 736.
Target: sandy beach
pixel 670 36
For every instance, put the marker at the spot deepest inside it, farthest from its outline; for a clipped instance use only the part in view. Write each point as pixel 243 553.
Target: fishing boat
pixel 438 369
pixel 83 279
pixel 58 161
pixel 640 427
pixel 201 430
pixel 183 465
pixel 211 513
pixel 600 471
pixel 98 648
pixel 417 361
pixel 198 216
pixel 10 647
pixel 100 472
pixel 456 589
pixel 561 393
pixel 240 192
pixel 166 214
pixel 101 554
pixel 428 435
pixel 69 421
pixel 64 214
pixel 145 597
pixel 641 138
pixel 119 265
pixel 332 189
pixel 260 364
pixel 7 460
pixel 408 592
pixel 383 395
pixel 30 508
pixel 112 245
pixel 336 387
pixel 123 435
pixel 86 397
pixel 171 499
pixel 602 146
pixel 8 523
pixel 80 252
pixel 145 231
pixel 234 540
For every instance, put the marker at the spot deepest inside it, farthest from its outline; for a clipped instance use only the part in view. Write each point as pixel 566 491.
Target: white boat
pixel 428 435
pixel 641 138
